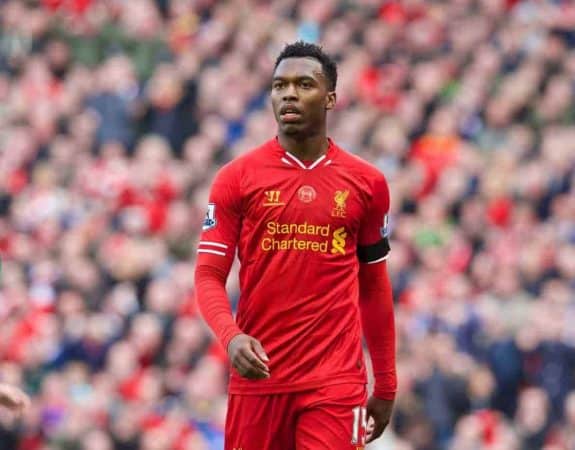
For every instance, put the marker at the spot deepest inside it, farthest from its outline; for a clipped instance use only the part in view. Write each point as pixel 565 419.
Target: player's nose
pixel 289 93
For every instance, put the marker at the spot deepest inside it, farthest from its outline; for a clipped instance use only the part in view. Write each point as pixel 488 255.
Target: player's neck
pixel 305 149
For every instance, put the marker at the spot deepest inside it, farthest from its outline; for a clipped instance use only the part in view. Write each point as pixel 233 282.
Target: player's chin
pixel 292 129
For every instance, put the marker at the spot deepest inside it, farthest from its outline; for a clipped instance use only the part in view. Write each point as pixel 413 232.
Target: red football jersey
pixel 300 231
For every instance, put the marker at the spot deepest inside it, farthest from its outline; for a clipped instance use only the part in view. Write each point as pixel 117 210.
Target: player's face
pixel 300 97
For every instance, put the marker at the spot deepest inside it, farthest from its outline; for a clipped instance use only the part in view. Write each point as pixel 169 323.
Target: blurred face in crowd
pixel 300 97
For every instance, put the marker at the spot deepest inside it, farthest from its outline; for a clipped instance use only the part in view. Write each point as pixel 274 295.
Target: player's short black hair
pixel 301 49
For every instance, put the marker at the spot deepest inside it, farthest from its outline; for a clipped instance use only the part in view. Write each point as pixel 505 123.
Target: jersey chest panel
pixel 311 212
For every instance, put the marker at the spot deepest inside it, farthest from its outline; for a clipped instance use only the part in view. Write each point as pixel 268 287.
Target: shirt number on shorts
pixel 359 425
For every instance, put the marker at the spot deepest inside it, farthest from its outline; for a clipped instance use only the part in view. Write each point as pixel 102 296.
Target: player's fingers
pixel 259 350
pixel 368 436
pixel 369 430
pixel 254 360
pixel 248 370
pixel 242 364
pixel 378 428
pixel 370 426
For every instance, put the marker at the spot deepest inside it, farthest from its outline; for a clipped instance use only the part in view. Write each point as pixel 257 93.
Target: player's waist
pixel 243 386
pixel 298 351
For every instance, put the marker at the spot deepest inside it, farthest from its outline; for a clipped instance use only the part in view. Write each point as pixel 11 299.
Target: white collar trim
pixel 301 164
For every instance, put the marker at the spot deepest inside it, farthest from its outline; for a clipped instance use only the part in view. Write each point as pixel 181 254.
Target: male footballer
pixel 309 222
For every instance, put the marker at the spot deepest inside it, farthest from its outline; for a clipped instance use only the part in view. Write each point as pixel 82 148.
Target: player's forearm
pixel 214 304
pixel 376 305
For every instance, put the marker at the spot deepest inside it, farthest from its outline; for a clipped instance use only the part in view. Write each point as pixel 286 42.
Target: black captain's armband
pixel 373 253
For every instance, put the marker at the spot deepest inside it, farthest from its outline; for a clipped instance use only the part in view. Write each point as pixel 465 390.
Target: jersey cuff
pixel 373 253
pixel 384 395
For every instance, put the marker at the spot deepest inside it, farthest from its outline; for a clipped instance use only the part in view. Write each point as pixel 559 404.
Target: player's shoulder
pixel 359 167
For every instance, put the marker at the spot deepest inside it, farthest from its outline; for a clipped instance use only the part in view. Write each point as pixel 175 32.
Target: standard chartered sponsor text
pixel 293 244
pixel 299 228
pixel 280 236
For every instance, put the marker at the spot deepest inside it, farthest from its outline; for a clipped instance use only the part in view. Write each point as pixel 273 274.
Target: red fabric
pixel 106 179
pixel 23 333
pixel 393 13
pixel 499 211
pixel 510 4
pixel 184 434
pixel 49 90
pixel 52 4
pixel 129 388
pixel 377 317
pixel 213 302
pixel 397 13
pixel 382 86
pixel 17 181
pixel 5 245
pixel 152 420
pixel 489 421
pixel 155 202
pixel 459 256
pixel 436 153
pixel 297 246
pixel 75 6
pixel 293 418
pixel 32 442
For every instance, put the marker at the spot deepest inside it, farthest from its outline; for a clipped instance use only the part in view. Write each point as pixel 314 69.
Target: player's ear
pixel 331 98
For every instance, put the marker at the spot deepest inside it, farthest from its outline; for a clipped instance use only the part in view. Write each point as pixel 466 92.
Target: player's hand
pixel 248 357
pixel 13 398
pixel 378 415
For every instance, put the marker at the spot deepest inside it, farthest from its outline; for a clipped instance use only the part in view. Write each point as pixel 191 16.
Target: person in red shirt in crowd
pixel 13 398
pixel 309 221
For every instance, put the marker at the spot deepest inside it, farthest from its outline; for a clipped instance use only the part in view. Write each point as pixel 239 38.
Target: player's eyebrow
pixel 297 78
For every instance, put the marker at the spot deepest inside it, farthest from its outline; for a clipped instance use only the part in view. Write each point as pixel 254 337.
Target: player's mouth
pixel 290 114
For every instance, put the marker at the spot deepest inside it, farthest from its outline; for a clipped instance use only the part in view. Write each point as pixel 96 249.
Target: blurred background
pixel 114 117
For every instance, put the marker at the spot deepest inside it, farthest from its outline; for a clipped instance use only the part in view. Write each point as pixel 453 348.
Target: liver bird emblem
pixel 340 198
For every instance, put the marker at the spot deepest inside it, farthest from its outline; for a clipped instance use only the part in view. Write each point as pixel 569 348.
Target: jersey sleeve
pixel 373 242
pixel 221 226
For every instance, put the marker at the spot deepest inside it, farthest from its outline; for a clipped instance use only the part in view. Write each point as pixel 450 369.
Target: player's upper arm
pixel 373 243
pixel 221 226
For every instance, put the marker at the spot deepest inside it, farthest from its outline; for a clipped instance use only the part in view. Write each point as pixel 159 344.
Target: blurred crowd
pixel 114 117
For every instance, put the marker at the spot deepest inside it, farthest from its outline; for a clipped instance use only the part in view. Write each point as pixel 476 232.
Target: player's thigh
pixel 334 420
pixel 260 422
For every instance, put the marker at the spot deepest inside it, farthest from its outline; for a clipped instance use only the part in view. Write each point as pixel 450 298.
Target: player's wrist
pixel 228 338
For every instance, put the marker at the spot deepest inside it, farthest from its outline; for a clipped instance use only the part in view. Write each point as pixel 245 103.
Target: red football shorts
pixel 327 418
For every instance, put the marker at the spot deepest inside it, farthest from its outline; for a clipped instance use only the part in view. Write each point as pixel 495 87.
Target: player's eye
pixel 306 84
pixel 278 85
